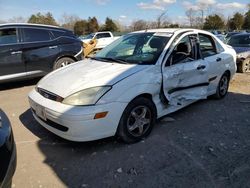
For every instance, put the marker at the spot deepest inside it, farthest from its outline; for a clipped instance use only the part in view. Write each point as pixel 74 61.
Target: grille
pixel 48 95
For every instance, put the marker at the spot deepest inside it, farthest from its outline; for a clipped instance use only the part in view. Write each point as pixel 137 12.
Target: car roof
pixel 241 34
pixel 32 25
pixel 174 30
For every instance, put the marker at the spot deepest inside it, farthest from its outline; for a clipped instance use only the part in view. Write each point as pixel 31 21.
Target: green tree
pixel 49 19
pixel 93 25
pixel 246 24
pixel 80 27
pixel 236 22
pixel 214 22
pixel 109 25
pixel 39 18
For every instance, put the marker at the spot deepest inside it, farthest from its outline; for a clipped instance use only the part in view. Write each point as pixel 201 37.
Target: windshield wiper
pixel 108 59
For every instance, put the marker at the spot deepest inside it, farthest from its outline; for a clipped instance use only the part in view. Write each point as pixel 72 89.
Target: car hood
pixel 241 49
pixel 86 74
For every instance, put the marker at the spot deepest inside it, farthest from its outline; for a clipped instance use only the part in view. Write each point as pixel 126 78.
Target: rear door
pixel 212 52
pixel 11 63
pixel 185 74
pixel 39 50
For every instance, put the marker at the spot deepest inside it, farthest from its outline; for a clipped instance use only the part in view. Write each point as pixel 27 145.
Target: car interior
pixel 182 53
pixel 8 36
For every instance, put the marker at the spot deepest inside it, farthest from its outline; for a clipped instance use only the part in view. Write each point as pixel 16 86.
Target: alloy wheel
pixel 223 85
pixel 65 63
pixel 139 120
pixel 246 66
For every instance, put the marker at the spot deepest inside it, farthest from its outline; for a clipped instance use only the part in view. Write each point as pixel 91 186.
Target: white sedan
pixel 129 84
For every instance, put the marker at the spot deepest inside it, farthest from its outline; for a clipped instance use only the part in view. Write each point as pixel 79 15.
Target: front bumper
pixel 7 151
pixel 76 123
pixel 11 170
pixel 79 56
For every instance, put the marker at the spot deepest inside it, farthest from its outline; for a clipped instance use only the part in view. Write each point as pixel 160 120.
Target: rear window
pixel 207 46
pixel 103 35
pixel 35 35
pixel 239 41
pixel 57 34
pixel 8 36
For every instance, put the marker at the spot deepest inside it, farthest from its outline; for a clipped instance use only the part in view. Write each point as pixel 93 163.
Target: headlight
pixel 88 96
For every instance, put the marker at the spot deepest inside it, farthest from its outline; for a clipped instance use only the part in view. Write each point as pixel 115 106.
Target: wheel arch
pixel 68 56
pixel 147 96
pixel 228 72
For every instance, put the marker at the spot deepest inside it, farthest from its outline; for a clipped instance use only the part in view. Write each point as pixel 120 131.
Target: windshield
pixel 239 41
pixel 136 48
pixel 90 36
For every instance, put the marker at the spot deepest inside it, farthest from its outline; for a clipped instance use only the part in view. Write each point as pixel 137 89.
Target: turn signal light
pixel 100 115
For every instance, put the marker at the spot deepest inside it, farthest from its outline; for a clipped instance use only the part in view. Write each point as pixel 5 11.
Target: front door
pixel 11 62
pixel 185 74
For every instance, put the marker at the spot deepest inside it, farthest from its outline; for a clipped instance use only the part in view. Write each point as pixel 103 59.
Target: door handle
pixel 17 52
pixel 52 47
pixel 200 67
pixel 218 59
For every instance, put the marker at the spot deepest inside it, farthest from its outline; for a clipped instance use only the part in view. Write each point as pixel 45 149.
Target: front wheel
pixel 222 87
pixel 137 120
pixel 63 62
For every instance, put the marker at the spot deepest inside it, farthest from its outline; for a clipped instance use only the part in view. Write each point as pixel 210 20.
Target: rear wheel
pixel 222 87
pixel 137 120
pixel 62 62
pixel 244 66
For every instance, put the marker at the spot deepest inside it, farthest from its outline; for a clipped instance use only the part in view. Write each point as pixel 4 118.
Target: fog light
pixel 100 115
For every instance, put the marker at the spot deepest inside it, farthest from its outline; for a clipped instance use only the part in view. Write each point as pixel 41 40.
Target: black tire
pixel 222 88
pixel 133 125
pixel 244 66
pixel 64 61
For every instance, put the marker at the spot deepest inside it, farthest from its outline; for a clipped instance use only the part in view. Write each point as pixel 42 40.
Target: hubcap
pixel 247 66
pixel 223 85
pixel 65 63
pixel 139 120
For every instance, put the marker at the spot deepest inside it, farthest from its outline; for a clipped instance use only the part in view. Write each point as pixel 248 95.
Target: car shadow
pixel 204 145
pixel 19 84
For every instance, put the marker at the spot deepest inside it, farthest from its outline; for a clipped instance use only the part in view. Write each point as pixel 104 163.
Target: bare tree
pixel 190 13
pixel 68 21
pixel 161 19
pixel 2 21
pixel 18 19
pixel 139 25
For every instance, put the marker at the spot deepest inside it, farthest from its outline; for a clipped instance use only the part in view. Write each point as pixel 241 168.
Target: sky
pixel 124 11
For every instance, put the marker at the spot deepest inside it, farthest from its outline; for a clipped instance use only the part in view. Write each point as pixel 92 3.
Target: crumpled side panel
pixel 184 82
pixel 178 97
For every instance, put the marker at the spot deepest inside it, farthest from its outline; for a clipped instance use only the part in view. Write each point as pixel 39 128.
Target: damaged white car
pixel 129 84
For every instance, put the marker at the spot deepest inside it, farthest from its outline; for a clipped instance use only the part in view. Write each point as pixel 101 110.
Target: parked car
pixel 7 152
pixel 241 44
pixel 30 50
pixel 129 84
pixel 229 34
pixel 221 37
pixel 104 38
